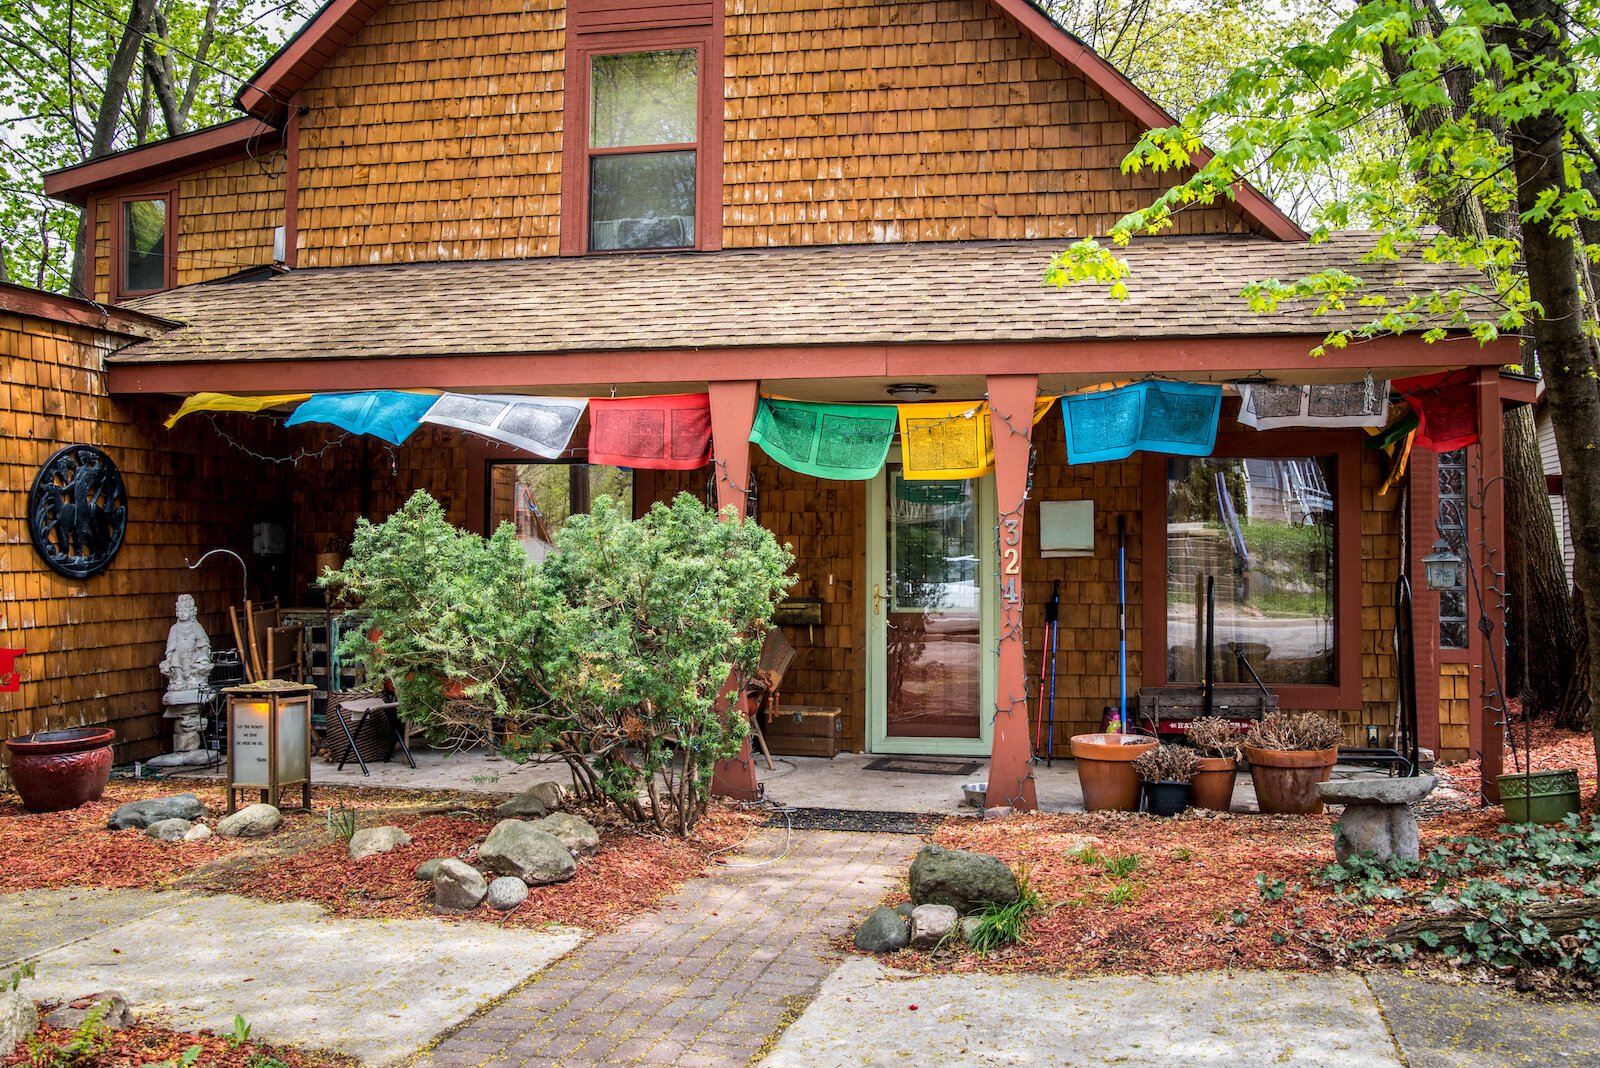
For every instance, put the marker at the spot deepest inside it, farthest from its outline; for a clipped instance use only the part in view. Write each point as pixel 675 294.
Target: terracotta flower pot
pixel 1105 770
pixel 1286 779
pixel 57 770
pixel 1213 783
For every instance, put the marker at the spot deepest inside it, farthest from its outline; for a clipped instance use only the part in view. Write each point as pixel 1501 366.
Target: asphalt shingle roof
pixel 832 295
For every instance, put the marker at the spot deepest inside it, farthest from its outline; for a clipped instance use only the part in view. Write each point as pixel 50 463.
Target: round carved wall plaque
pixel 78 511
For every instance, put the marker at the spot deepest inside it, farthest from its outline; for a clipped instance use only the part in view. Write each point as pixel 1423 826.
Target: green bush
pixel 613 655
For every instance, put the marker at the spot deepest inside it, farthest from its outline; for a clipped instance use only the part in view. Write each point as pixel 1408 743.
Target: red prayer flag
pixel 1447 408
pixel 10 677
pixel 670 433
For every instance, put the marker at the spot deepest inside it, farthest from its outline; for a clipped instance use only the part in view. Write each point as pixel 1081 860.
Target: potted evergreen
pixel 1216 741
pixel 1167 771
pixel 1289 753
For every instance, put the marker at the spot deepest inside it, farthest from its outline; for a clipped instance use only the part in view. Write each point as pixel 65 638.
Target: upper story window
pixel 642 140
pixel 643 130
pixel 142 244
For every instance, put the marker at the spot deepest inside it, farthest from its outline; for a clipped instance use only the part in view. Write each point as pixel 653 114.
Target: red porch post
pixel 733 413
pixel 1011 399
pixel 1490 666
pixel 1424 513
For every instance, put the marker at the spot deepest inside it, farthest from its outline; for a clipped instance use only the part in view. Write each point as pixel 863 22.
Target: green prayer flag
pixel 843 441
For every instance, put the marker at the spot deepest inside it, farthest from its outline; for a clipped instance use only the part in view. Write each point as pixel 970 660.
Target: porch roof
pixel 948 293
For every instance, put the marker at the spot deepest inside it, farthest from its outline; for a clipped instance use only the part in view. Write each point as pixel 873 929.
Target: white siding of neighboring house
pixel 1546 432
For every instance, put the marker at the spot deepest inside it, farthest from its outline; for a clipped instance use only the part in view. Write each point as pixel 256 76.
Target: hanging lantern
pixel 269 740
pixel 1442 567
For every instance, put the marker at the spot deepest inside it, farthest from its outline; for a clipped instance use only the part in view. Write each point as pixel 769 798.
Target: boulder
pixel 143 813
pixel 521 849
pixel 969 927
pixel 932 924
pixel 961 879
pixel 885 931
pixel 524 806
pixel 197 833
pixel 458 887
pixel 575 832
pixel 116 1014
pixel 428 868
pixel 18 1020
pixel 552 793
pixel 904 909
pixel 506 893
pixel 172 830
pixel 370 841
pixel 250 822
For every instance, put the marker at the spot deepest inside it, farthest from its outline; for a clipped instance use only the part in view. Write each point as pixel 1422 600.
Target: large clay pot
pixel 1213 783
pixel 57 770
pixel 1105 770
pixel 1286 779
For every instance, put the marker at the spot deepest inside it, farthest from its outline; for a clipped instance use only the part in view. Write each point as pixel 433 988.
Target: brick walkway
pixel 702 982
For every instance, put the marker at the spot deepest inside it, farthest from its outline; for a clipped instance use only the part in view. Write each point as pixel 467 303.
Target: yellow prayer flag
pixel 951 440
pixel 228 402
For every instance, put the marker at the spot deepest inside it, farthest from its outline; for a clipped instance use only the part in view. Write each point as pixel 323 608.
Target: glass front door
pixel 930 616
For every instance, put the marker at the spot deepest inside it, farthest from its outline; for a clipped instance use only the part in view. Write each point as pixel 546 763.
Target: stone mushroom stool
pixel 1377 816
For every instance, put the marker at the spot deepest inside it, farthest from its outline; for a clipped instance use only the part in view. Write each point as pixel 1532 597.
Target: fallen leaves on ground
pixel 1553 749
pixel 142 1045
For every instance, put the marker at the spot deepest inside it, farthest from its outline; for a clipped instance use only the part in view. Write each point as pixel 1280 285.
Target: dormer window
pixel 142 229
pixel 643 141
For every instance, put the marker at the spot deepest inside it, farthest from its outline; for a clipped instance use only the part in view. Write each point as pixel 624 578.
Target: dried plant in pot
pixel 1166 771
pixel 1289 753
pixel 1216 740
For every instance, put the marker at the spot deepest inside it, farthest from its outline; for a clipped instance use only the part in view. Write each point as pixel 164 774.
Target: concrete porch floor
pixel 803 782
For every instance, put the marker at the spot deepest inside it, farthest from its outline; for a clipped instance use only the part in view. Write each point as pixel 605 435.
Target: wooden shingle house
pixel 787 210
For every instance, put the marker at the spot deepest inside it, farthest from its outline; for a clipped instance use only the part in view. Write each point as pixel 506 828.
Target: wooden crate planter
pixel 805 730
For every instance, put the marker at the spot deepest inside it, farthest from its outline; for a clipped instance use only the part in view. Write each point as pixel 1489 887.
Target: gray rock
pixel 524 806
pixel 370 841
pixel 999 812
pixel 1385 791
pixel 575 832
pixel 885 931
pixel 194 758
pixel 250 822
pixel 969 927
pixel 73 1015
pixel 506 893
pixel 172 830
pixel 932 924
pixel 143 813
pixel 553 794
pixel 534 856
pixel 1377 820
pixel 458 887
pixel 428 868
pixel 18 1019
pixel 197 833
pixel 904 909
pixel 961 879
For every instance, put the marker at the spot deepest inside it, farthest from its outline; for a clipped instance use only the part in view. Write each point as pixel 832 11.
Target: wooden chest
pixel 804 730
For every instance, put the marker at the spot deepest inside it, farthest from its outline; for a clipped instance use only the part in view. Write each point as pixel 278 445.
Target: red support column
pixel 1424 512
pixel 733 413
pixel 1011 399
pixel 1490 560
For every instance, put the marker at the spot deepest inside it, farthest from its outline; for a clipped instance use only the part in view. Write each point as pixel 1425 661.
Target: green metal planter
pixel 1540 796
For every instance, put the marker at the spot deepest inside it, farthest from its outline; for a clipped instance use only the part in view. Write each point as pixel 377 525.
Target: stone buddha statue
pixel 188 670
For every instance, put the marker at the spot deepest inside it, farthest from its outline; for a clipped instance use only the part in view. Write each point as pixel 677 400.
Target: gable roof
pixel 802 296
pixel 268 92
pixel 213 144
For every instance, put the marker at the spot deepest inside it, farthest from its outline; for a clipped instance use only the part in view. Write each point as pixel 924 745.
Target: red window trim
pixel 708 148
pixel 168 193
pixel 1345 448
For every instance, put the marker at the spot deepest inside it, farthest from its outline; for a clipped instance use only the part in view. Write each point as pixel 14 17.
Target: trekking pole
pixel 1052 615
pixel 1038 709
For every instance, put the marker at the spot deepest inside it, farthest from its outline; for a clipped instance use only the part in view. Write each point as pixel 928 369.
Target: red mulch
pixel 630 874
pixel 1553 749
pixel 136 1047
pixel 1195 878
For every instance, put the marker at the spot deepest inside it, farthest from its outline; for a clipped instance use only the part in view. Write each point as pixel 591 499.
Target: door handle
pixel 877 599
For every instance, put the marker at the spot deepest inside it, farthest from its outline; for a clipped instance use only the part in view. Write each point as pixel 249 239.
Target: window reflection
pixel 144 245
pixel 539 498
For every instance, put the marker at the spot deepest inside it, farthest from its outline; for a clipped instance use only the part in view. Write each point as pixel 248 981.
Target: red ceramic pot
pixel 57 770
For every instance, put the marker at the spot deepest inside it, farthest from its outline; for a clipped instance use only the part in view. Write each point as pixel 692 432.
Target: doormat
pixel 841 819
pixel 925 766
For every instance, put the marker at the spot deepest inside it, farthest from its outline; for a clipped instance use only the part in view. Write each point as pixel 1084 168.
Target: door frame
pixel 877 660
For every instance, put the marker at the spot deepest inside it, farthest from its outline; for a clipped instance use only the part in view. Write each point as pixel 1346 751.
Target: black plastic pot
pixel 1166 798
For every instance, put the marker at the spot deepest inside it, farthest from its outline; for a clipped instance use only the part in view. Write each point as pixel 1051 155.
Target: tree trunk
pixel 1573 712
pixel 1541 626
pixel 1563 346
pixel 122 66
